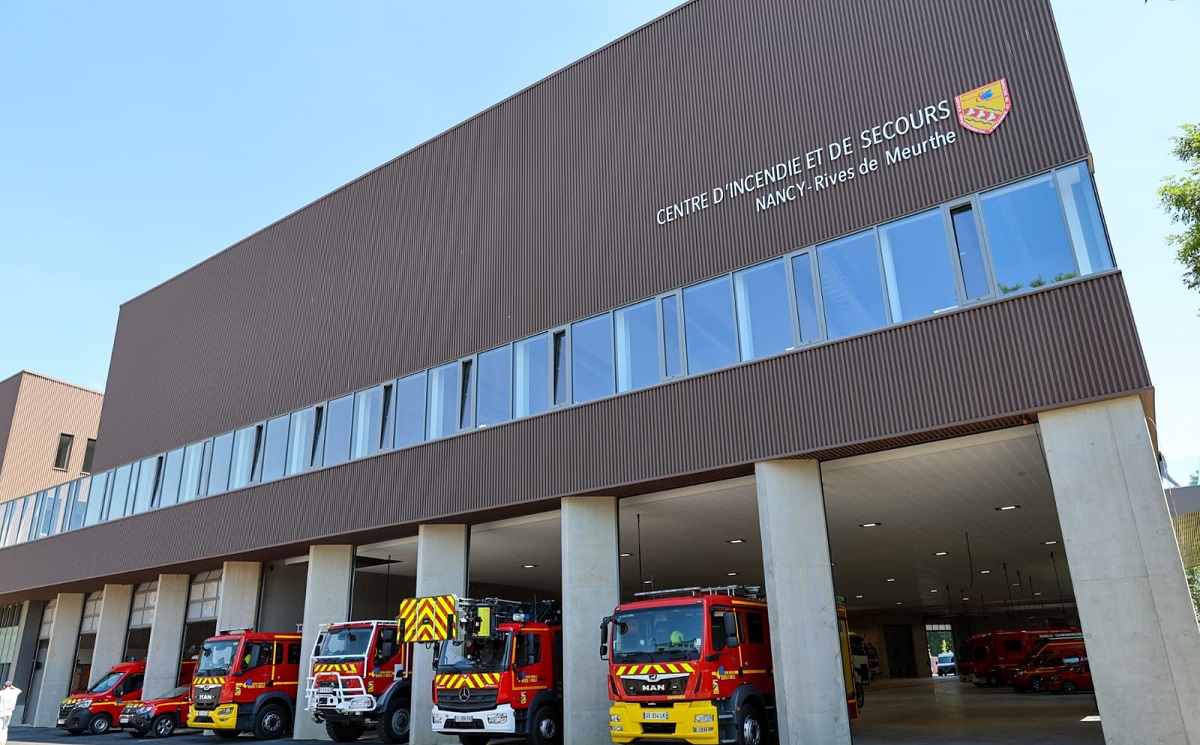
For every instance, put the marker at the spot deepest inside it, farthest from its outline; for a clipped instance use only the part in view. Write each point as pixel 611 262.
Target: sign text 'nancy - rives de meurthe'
pixel 807 172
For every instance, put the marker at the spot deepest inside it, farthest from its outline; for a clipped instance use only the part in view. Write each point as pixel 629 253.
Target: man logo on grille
pixel 464 694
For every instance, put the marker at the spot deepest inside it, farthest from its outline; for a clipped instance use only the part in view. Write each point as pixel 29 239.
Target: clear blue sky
pixel 138 138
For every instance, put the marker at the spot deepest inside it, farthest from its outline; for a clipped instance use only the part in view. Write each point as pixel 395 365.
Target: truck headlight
pixel 499 718
pixel 85 704
pixel 704 717
pixel 145 710
pixel 225 711
pixel 361 703
pixel 438 717
pixel 614 717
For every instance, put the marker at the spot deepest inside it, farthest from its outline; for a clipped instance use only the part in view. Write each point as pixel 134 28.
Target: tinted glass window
pixel 89 452
pixel 1025 231
pixel 495 387
pixel 339 414
pixel 466 395
pixel 410 410
pixel 592 359
pixel 764 312
pixel 672 341
pixel 222 457
pixel 443 401
pixel 275 449
pixel 851 287
pixel 637 346
pixel 368 422
pixel 916 263
pixel 119 492
pixel 1083 219
pixel 708 326
pixel 806 297
pixel 246 443
pixel 561 381
pixel 95 499
pixel 754 628
pixel 80 504
pixel 189 473
pixel 147 479
pixel 301 439
pixel 531 376
pixel 293 654
pixel 1012 646
pixel 970 252
pixel 168 493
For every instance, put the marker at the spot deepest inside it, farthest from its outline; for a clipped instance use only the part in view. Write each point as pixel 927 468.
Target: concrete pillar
pixel 238 604
pixel 326 600
pixel 166 634
pixel 805 647
pixel 60 658
pixel 26 651
pixel 591 588
pixel 1133 600
pixel 111 630
pixel 442 553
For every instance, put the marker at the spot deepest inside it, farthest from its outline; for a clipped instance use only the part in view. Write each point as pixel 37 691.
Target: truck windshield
pixel 217 656
pixel 476 654
pixel 351 642
pixel 655 634
pixel 105 684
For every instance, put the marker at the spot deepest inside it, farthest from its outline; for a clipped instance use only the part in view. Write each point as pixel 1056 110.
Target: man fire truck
pixel 360 679
pixel 499 668
pixel 246 681
pixel 694 665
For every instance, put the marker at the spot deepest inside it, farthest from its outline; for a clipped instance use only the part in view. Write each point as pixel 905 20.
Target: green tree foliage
pixel 1193 580
pixel 1180 197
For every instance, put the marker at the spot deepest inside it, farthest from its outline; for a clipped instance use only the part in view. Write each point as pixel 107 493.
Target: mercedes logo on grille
pixel 464 694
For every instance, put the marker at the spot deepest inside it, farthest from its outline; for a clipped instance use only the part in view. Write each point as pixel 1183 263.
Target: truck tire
pixel 1069 687
pixel 99 724
pixel 271 722
pixel 545 726
pixel 394 726
pixel 751 727
pixel 344 731
pixel 163 725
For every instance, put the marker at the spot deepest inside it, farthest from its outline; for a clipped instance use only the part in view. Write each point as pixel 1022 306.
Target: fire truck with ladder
pixel 360 679
pixel 694 665
pixel 498 670
pixel 245 681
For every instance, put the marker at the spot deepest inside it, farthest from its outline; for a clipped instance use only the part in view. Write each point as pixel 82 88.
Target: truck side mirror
pixel 604 637
pixel 731 639
pixel 437 653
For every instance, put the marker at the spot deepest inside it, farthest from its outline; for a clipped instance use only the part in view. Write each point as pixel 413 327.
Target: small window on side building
pixel 63 456
pixel 89 453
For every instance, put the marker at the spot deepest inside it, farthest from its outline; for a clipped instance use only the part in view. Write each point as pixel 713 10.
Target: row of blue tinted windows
pixel 1013 239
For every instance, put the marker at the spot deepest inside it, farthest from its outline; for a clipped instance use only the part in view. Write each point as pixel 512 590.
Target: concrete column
pixel 26 651
pixel 326 600
pixel 60 658
pixel 591 587
pixel 112 630
pixel 237 607
pixel 1142 639
pixel 166 633
pixel 806 651
pixel 442 552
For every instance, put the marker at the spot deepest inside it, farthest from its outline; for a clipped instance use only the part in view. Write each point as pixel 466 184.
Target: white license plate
pixel 463 718
pixel 656 715
pixel 124 720
pixel 62 721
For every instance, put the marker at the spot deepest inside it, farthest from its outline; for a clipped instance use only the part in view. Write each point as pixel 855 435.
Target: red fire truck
pixel 499 670
pixel 992 658
pixel 694 665
pixel 360 679
pixel 246 681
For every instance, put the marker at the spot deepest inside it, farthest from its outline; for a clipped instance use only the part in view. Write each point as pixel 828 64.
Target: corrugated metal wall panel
pixel 541 210
pixel 967 371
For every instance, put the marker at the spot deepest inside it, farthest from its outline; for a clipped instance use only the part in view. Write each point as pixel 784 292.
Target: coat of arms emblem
pixel 981 110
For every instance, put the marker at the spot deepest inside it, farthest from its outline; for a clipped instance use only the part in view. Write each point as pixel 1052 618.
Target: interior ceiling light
pixel 966 598
pixel 1008 507
pixel 730 574
pixel 939 553
pixel 647 581
pixel 1049 543
pixel 736 540
pixel 858 596
pixel 899 603
pixel 529 566
pixel 933 590
pixel 1037 593
pixel 1016 584
pixel 626 554
pixel 985 571
pixel 891 579
pixel 869 525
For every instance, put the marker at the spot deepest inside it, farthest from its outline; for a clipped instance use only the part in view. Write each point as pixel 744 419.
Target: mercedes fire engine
pixel 694 665
pixel 499 668
pixel 360 679
pixel 246 681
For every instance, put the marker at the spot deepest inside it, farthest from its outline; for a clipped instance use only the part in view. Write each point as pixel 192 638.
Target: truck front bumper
pixel 501 720
pixel 225 716
pixel 686 721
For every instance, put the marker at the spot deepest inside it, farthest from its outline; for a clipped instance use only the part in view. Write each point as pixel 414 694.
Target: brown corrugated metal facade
pixel 34 411
pixel 541 211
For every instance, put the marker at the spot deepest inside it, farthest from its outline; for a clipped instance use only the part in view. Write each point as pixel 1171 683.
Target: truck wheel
pixel 271 722
pixel 226 734
pixel 1069 687
pixel 1036 686
pixel 393 728
pixel 860 695
pixel 545 728
pixel 163 725
pixel 751 728
pixel 99 724
pixel 344 731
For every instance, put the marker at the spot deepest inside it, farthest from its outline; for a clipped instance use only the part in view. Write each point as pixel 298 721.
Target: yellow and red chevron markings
pixel 478 680
pixel 659 669
pixel 428 619
pixel 207 681
pixel 338 667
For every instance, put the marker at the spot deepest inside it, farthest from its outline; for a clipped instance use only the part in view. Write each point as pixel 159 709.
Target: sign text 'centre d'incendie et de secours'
pixel 901 139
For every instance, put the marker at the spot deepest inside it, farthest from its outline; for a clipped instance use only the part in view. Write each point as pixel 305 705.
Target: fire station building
pixel 765 293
